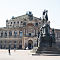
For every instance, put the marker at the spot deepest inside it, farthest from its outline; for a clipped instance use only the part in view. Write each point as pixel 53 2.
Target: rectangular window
pixel 1 34
pixel 21 33
pixel 10 33
pixel 24 23
pixel 15 34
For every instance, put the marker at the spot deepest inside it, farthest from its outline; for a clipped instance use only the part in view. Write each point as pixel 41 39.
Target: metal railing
pixel 13 36
pixel 30 36
pixel 17 36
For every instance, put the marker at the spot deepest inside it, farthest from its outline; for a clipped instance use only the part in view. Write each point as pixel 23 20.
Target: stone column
pixel 0 33
pixel 23 40
pixel 7 34
pixel 13 33
pixel 18 33
pixel 3 33
pixel 19 23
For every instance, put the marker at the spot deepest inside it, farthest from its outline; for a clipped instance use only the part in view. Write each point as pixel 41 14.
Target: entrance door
pixel 30 44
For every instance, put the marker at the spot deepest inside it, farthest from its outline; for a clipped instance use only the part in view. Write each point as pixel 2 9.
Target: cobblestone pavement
pixel 24 55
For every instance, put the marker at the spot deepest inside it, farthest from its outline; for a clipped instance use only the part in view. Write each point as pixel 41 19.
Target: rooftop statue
pixel 45 15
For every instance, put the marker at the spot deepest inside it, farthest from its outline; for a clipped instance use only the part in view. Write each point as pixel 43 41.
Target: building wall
pixel 57 36
pixel 19 30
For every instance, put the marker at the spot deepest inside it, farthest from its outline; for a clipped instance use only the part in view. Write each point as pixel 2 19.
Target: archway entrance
pixel 30 44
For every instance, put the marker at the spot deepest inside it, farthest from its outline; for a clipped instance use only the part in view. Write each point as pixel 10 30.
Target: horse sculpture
pixel 47 39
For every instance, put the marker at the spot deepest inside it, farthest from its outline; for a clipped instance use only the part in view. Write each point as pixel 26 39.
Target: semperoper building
pixel 22 32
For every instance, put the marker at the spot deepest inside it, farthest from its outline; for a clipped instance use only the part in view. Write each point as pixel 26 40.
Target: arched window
pixel 15 33
pixel 1 34
pixel 10 33
pixel 5 34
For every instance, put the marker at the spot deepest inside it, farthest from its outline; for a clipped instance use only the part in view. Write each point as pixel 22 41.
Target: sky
pixel 9 8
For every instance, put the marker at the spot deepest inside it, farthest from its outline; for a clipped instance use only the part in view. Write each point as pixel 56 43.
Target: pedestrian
pixel 9 50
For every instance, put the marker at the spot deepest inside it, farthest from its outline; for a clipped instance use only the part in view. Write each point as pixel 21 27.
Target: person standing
pixel 9 50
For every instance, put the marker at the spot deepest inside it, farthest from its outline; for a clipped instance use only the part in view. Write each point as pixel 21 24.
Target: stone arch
pixel 30 44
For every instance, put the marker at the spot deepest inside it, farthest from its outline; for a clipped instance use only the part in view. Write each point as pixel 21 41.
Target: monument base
pixel 48 50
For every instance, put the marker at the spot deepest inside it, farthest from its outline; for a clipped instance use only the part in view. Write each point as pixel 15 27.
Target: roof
pixel 24 17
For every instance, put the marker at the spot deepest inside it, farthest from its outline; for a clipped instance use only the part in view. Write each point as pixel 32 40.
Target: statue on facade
pixel 45 15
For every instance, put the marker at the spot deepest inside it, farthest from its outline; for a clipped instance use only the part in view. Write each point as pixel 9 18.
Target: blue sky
pixel 9 8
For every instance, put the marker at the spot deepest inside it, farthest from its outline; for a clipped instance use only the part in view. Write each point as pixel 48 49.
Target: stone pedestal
pixel 48 50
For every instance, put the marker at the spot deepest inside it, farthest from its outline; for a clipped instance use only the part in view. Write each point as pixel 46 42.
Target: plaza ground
pixel 24 55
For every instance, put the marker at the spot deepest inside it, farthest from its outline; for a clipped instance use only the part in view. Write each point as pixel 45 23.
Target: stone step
pixel 48 50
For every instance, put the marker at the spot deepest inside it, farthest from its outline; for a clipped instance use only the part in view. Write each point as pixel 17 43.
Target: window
pixel 15 34
pixel 10 33
pixel 21 22
pixel 21 33
pixel 11 22
pixel 29 34
pixel 36 24
pixel 5 34
pixel 14 22
pixel 2 34
pixel 18 22
pixel 24 23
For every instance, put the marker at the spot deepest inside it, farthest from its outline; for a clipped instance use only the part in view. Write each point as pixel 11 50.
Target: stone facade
pixel 21 32
pixel 57 37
